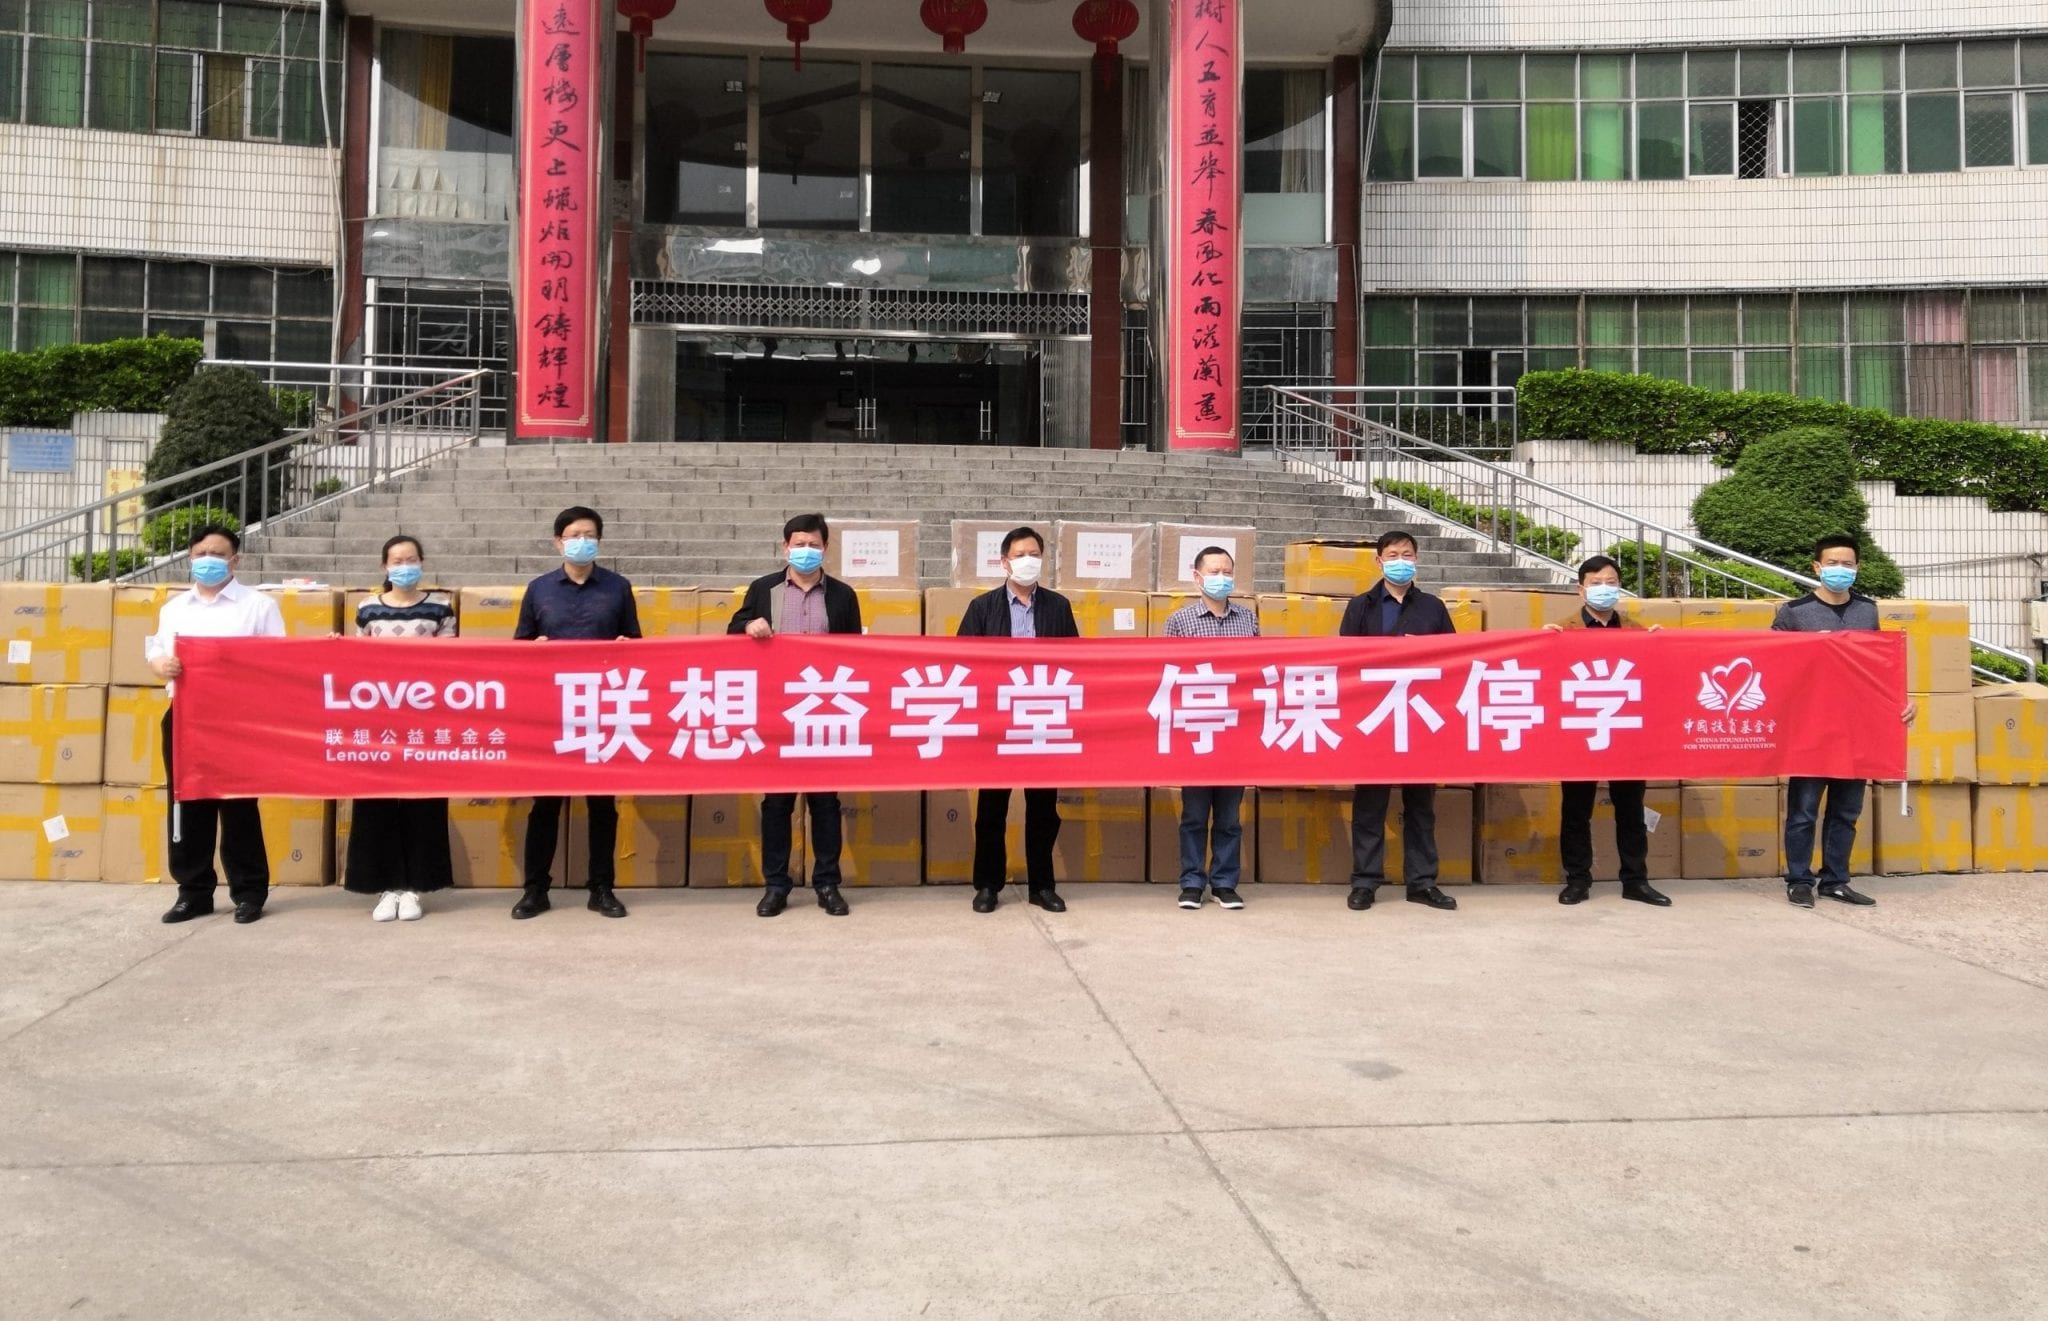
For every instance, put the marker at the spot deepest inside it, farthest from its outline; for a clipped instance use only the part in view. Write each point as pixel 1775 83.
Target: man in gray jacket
pixel 1828 608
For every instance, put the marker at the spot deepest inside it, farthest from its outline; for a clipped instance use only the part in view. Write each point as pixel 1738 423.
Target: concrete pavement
pixel 1730 1108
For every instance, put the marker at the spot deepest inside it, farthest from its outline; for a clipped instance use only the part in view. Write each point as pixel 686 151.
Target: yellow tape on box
pixel 1937 643
pixel 136 611
pixel 1730 830
pixel 1329 568
pixel 2012 733
pixel 57 634
pixel 653 846
pixel 133 847
pixel 1935 838
pixel 2009 829
pixel 134 753
pixel 52 733
pixel 49 833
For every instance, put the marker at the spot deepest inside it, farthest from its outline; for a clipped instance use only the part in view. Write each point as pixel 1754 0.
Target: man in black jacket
pixel 1020 608
pixel 1395 607
pixel 800 598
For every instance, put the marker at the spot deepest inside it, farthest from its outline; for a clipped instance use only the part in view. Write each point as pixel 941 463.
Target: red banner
pixel 1203 209
pixel 354 718
pixel 559 222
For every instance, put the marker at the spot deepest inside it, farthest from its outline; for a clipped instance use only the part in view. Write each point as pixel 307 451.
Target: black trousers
pixel 1369 835
pixel 1575 831
pixel 777 810
pixel 194 826
pixel 544 829
pixel 991 847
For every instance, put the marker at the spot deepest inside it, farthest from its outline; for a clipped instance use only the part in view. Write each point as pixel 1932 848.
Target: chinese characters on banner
pixel 1207 250
pixel 560 219
pixel 362 718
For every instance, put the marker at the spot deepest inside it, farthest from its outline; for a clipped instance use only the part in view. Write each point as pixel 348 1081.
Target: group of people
pixel 399 848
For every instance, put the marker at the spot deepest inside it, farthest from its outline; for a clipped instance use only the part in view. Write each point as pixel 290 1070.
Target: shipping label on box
pixel 891 612
pixel 134 748
pixel 1935 837
pixel 50 832
pixel 1108 557
pixel 1109 614
pixel 1937 643
pixel 1329 568
pixel 874 553
pixel 488 612
pixel 653 845
pixel 1163 848
pixel 1292 616
pixel 945 607
pixel 134 835
pixel 1729 831
pixel 1730 614
pixel 298 835
pixel 2009 830
pixel 136 612
pixel 487 844
pixel 978 552
pixel 1941 743
pixel 725 841
pixel 57 634
pixel 1862 853
pixel 52 733
pixel 667 612
pixel 1508 611
pixel 1467 608
pixel 1179 543
pixel 309 612
pixel 1102 836
pixel 2012 733
pixel 882 838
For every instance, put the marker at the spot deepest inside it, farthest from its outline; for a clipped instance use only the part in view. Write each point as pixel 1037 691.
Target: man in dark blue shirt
pixel 578 602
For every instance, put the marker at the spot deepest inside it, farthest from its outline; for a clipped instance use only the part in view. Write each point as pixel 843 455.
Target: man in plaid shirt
pixel 1209 816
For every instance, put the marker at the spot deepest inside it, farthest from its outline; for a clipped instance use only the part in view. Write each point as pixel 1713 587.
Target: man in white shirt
pixel 217 607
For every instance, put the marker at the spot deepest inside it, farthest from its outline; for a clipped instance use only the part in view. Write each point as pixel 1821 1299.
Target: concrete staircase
pixel 712 514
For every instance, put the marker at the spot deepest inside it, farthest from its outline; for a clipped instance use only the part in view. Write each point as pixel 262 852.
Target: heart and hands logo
pixel 1736 686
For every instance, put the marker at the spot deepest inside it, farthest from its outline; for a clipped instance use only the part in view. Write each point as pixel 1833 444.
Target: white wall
pixel 137 194
pixel 1540 24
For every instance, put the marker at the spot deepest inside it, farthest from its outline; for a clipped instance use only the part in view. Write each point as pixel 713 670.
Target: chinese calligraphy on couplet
pixel 559 223
pixel 1206 155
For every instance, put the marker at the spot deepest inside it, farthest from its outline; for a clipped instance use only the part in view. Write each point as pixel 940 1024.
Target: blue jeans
pixel 1209 823
pixel 1837 829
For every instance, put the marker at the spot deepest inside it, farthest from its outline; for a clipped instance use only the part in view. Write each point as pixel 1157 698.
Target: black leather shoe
pixel 187 909
pixel 1842 894
pixel 604 901
pixel 1049 901
pixel 772 902
pixel 1800 896
pixel 247 913
pixel 985 901
pixel 1574 894
pixel 1643 893
pixel 531 904
pixel 832 901
pixel 1360 900
pixel 1434 897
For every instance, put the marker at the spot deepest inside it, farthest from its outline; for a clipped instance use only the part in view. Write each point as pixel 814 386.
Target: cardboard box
pixel 1467 607
pixel 1304 836
pixel 57 634
pixel 488 612
pixel 1104 557
pixel 1162 853
pixel 487 843
pixel 1862 854
pixel 136 611
pixel 1935 838
pixel 1653 611
pixel 1730 830
pixel 1179 543
pixel 891 612
pixel 50 832
pixel 298 834
pixel 653 848
pixel 716 606
pixel 2012 733
pixel 1941 743
pixel 666 612
pixel 882 838
pixel 309 612
pixel 1518 842
pixel 978 552
pixel 2009 829
pixel 52 733
pixel 1663 816
pixel 1732 614
pixel 1293 616
pixel 945 607
pixel 1937 643
pixel 134 840
pixel 133 751
pixel 1508 611
pixel 874 553
pixel 1329 568
pixel 1102 836
pixel 725 841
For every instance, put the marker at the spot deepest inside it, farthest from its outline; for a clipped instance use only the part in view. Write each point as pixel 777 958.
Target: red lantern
pixel 797 17
pixel 642 15
pixel 1105 22
pixel 955 20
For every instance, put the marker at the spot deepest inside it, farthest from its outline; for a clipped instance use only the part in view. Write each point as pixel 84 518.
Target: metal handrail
pixel 1351 433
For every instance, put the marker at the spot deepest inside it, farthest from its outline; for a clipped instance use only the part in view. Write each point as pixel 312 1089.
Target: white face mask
pixel 1024 570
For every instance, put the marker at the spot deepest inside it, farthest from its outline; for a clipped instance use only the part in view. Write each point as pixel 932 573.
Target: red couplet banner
pixel 361 718
pixel 1204 212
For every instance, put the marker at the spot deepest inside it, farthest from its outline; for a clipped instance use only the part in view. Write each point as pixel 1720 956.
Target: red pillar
pixel 1106 244
pixel 1346 210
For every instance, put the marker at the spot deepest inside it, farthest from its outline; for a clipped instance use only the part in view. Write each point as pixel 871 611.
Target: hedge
pixel 1689 573
pixel 1554 542
pixel 2006 468
pixel 44 387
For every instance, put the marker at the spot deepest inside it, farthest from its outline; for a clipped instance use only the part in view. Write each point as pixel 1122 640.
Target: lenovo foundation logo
pixel 1731 694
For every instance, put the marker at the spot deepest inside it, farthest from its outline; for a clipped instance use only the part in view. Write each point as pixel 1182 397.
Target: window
pixel 1284 159
pixel 696 140
pixel 1031 152
pixel 445 143
pixel 923 153
pixel 251 312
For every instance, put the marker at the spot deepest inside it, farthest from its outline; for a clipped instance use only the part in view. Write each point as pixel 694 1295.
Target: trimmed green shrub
pixel 295 407
pixel 1925 456
pixel 170 533
pixel 1688 573
pixel 1554 542
pixel 109 564
pixel 2000 665
pixel 219 413
pixel 1788 489
pixel 44 387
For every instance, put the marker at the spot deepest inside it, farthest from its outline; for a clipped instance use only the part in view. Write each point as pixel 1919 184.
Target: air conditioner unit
pixel 2037 617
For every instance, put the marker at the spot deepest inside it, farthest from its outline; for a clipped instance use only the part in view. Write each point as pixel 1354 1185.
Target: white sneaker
pixel 408 906
pixel 387 906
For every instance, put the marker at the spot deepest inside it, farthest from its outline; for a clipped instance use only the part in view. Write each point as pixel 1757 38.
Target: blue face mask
pixel 806 559
pixel 580 550
pixel 209 570
pixel 404 577
pixel 1838 578
pixel 1218 587
pixel 1603 596
pixel 1398 572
